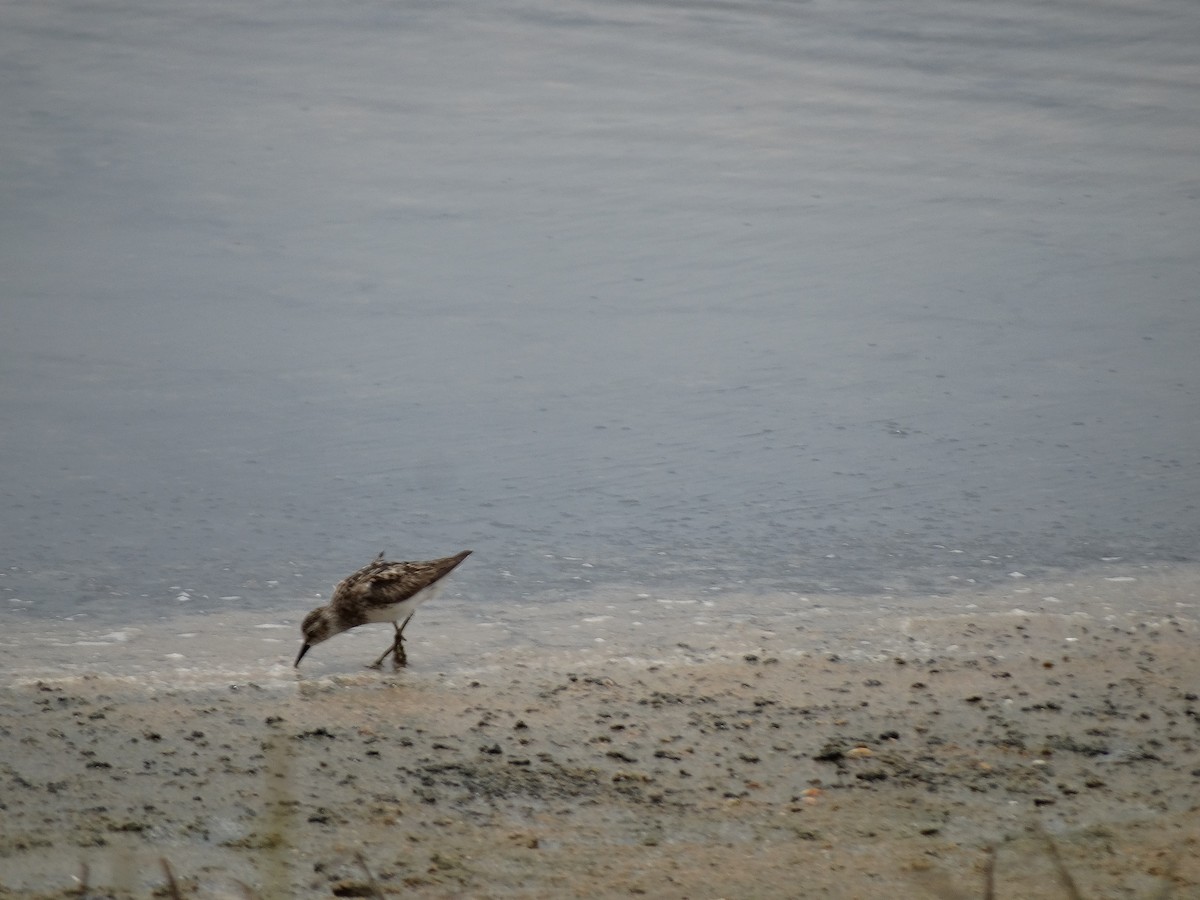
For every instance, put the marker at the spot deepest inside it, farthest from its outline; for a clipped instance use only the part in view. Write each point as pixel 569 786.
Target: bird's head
pixel 315 628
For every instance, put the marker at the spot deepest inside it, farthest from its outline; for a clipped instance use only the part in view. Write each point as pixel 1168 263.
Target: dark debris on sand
pixel 730 777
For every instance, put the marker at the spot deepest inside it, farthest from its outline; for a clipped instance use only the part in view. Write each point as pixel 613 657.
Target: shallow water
pixel 762 298
pixel 459 639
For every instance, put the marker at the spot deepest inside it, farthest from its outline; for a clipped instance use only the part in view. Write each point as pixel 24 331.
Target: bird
pixel 381 591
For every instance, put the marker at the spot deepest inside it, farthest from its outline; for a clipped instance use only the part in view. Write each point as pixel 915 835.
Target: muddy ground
pixel 769 773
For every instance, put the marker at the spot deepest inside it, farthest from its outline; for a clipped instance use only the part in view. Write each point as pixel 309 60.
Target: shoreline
pixel 747 768
pixel 212 648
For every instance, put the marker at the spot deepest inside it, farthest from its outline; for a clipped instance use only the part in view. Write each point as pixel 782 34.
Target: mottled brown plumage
pixel 381 591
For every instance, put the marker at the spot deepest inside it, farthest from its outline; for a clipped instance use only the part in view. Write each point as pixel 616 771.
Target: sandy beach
pixel 749 768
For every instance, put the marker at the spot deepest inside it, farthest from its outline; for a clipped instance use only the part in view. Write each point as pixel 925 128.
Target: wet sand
pixel 708 771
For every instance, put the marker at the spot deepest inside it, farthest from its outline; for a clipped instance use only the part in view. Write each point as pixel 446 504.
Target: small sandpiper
pixel 381 591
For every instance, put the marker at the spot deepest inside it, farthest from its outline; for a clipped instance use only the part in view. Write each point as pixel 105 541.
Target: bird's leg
pixel 391 651
pixel 399 657
pixel 396 651
pixel 379 662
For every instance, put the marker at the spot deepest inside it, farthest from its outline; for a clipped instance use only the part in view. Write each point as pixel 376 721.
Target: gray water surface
pixel 836 296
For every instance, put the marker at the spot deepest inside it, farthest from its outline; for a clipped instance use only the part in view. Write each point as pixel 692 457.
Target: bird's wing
pixel 382 583
pixel 394 582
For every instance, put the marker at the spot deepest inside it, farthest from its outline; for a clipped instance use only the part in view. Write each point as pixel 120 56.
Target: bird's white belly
pixel 401 611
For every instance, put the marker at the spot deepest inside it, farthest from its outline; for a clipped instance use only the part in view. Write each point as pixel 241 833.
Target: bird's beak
pixel 300 655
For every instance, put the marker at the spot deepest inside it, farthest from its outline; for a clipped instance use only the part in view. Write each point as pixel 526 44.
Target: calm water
pixel 828 296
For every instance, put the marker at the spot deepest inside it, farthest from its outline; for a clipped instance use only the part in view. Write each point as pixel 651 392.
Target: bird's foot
pixel 378 664
pixel 396 652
